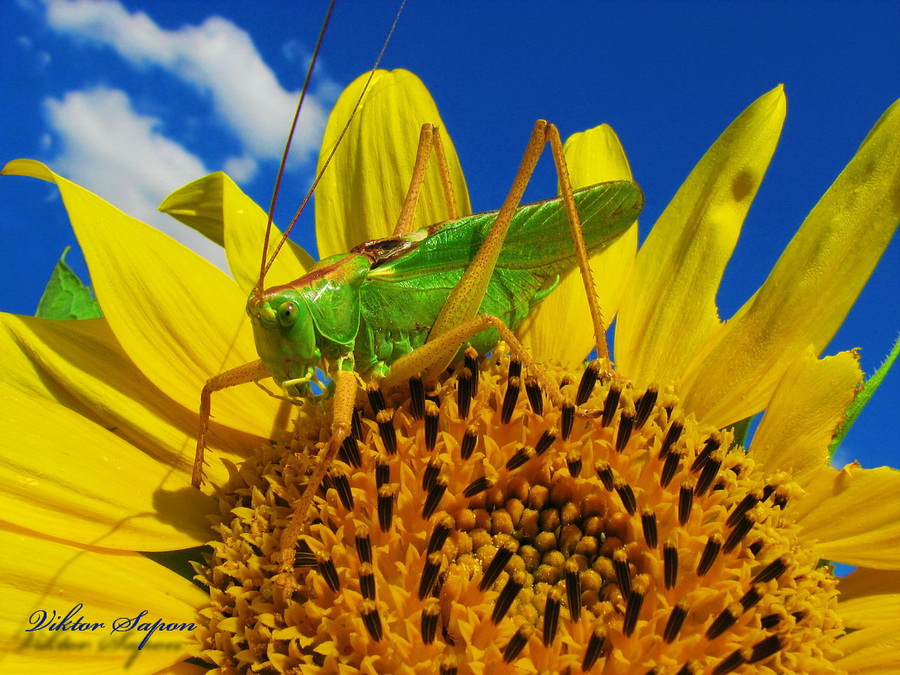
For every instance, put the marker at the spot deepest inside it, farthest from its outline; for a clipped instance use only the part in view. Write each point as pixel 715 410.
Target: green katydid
pixel 410 304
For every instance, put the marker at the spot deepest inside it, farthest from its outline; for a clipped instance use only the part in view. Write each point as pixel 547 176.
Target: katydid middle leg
pixel 429 139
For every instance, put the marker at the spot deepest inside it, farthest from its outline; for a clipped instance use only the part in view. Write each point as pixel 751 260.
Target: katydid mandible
pixel 394 308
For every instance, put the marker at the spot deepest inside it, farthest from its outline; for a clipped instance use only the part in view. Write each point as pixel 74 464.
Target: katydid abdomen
pixel 371 307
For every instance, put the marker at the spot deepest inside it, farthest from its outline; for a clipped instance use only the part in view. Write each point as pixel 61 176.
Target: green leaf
pixel 740 431
pixel 182 561
pixel 66 296
pixel 862 398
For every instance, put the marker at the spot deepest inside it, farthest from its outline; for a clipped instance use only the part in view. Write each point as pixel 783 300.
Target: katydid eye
pixel 287 314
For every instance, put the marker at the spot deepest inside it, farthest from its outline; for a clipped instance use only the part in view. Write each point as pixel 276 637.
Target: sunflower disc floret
pixel 448 543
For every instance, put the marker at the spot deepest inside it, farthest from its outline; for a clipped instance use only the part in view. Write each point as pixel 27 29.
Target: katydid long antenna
pixel 264 265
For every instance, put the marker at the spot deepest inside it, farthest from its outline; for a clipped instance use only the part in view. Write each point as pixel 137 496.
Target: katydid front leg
pixel 345 387
pixel 249 372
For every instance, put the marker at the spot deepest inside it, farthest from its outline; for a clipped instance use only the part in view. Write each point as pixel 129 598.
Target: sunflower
pixel 478 529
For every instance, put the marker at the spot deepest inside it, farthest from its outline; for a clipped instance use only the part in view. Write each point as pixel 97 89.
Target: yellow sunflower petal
pixel 23 370
pixel 217 205
pixel 199 206
pixel 593 156
pixel 182 668
pixel 67 477
pixel 811 288
pixel 808 405
pixel 176 316
pixel 45 576
pixel 869 597
pixel 80 365
pixel 872 650
pixel 360 196
pixel 853 515
pixel 669 308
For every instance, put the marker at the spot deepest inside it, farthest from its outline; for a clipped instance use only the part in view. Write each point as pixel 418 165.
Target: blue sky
pixel 134 98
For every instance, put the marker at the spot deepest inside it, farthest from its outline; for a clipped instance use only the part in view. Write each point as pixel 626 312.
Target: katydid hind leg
pixel 458 317
pixel 432 352
pixel 465 299
pixel 581 253
pixel 249 372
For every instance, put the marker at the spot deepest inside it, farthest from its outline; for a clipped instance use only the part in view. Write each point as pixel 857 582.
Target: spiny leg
pixel 343 401
pixel 429 138
pixel 244 374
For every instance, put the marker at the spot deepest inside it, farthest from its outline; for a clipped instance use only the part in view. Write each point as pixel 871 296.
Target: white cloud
pixel 42 58
pixel 104 144
pixel 218 59
pixel 241 168
pixel 122 156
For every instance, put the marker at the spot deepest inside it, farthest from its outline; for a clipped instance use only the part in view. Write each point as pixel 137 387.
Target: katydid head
pixel 285 336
